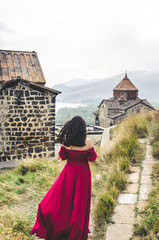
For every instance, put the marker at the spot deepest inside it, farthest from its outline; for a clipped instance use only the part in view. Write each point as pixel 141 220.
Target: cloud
pixel 4 28
pixel 86 38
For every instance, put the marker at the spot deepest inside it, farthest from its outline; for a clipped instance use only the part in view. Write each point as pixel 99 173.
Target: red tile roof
pixel 20 63
pixel 125 84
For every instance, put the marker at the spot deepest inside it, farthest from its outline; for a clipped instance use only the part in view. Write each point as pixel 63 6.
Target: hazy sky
pixel 83 39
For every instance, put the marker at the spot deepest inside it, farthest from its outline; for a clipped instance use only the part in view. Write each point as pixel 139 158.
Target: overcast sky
pixel 83 39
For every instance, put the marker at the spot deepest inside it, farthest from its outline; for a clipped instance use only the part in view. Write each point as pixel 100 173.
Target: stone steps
pixel 135 195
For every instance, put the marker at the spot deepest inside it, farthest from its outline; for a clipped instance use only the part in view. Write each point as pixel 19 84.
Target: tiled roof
pixel 20 63
pixel 131 103
pixel 125 84
pixel 116 115
pixel 147 103
pixel 111 103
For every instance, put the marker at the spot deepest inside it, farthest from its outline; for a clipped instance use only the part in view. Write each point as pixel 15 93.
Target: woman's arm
pixel 63 154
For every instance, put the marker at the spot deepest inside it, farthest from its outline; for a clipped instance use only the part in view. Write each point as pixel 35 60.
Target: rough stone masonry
pixel 27 108
pixel 27 120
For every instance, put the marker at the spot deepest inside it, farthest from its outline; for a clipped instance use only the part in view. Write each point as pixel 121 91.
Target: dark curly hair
pixel 73 132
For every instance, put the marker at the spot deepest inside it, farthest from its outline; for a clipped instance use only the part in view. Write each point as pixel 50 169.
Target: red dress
pixel 63 214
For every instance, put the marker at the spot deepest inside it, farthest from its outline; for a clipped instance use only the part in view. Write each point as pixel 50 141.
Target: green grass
pixel 21 189
pixel 148 227
pixel 155 149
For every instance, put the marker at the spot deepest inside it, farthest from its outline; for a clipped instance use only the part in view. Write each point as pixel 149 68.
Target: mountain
pixel 95 90
pixel 80 82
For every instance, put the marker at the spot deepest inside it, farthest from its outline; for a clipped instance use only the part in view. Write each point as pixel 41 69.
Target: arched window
pixel 97 121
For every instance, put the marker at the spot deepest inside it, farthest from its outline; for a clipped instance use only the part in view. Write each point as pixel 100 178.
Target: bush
pixel 156 115
pixel 127 146
pixel 30 166
pixel 154 131
pixel 125 165
pixel 139 126
pixel 155 149
pixel 104 207
pixel 117 179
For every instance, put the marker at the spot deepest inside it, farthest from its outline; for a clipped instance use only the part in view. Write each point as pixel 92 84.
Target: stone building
pixel 27 108
pixel 125 102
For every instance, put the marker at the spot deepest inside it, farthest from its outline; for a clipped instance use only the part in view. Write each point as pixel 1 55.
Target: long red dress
pixel 64 211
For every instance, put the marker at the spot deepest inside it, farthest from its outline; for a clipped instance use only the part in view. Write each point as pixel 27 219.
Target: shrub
pixel 30 166
pixel 138 125
pixel 154 131
pixel 127 146
pixel 156 115
pixel 20 180
pixel 104 207
pixel 125 165
pixel 155 149
pixel 117 179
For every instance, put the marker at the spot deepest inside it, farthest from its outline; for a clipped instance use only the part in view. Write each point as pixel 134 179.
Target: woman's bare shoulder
pixel 88 145
pixel 69 148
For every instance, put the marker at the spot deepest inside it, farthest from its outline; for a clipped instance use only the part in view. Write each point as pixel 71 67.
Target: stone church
pixel 27 108
pixel 125 102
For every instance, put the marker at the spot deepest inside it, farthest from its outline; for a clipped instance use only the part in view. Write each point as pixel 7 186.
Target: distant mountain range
pixel 95 90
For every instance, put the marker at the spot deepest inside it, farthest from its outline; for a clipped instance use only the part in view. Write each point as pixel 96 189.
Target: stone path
pixel 135 195
pixel 106 135
pixel 8 164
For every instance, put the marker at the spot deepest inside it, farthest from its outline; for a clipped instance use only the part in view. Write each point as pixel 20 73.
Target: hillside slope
pixel 93 91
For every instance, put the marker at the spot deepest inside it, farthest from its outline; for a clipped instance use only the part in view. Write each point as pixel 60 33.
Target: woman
pixel 64 211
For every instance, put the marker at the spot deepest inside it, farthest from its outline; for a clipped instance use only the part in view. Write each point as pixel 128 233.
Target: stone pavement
pixel 8 164
pixel 135 195
pixel 106 135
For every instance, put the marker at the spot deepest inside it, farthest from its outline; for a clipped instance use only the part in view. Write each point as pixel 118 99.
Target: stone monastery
pixel 27 108
pixel 125 102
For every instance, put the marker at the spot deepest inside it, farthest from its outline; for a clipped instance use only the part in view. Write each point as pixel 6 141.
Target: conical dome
pixel 125 84
pixel 125 90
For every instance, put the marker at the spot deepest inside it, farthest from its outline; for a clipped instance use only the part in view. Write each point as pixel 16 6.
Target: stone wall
pixel 104 113
pixel 139 108
pixel 104 121
pixel 128 95
pixel 27 123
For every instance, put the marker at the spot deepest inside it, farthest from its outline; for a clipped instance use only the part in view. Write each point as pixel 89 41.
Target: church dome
pixel 126 85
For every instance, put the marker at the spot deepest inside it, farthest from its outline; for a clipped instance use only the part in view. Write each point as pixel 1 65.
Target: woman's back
pixel 78 154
